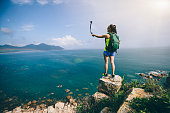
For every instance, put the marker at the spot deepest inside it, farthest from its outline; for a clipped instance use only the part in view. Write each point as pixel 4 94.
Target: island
pixel 42 46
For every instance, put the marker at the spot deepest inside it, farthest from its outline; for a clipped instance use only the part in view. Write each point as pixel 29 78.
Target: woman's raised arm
pixel 101 36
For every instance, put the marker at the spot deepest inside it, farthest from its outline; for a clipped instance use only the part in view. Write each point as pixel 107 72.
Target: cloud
pixel 58 1
pixel 28 27
pixel 69 25
pixel 68 42
pixel 22 1
pixel 7 31
pixel 43 2
pixel 8 20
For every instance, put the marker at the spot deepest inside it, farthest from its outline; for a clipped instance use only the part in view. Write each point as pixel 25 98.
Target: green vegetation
pixel 153 87
pixel 151 105
pixel 126 86
pixel 159 103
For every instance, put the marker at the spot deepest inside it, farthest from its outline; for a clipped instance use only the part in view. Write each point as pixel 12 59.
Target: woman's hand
pixel 93 35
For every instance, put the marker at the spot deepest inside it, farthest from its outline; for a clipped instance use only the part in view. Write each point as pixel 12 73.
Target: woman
pixel 111 29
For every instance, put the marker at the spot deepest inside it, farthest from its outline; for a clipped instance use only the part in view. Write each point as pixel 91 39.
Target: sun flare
pixel 162 4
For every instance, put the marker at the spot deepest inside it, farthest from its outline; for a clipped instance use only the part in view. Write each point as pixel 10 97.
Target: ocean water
pixel 35 75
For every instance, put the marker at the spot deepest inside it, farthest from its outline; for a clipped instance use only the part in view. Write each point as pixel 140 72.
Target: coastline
pixel 22 50
pixel 106 89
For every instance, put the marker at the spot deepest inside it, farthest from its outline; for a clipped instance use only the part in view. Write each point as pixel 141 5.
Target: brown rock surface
pixel 67 90
pixel 51 109
pixel 60 107
pixel 29 103
pixel 105 110
pixel 136 92
pixel 34 101
pixel 110 87
pixel 99 96
pixel 142 74
pixel 17 110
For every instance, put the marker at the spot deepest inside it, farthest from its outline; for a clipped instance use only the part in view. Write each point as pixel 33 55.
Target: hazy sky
pixel 140 23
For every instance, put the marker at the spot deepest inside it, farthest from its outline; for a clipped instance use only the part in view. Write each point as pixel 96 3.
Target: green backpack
pixel 113 43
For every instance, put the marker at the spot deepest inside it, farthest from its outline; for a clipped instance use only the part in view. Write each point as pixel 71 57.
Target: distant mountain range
pixel 41 46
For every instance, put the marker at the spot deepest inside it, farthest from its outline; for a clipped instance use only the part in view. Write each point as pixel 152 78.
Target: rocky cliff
pixel 136 92
pixel 106 89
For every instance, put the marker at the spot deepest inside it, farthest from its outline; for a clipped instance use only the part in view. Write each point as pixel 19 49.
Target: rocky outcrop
pixel 51 109
pixel 106 110
pixel 125 108
pixel 136 92
pixel 154 74
pixel 60 107
pixel 17 110
pixel 99 96
pixel 108 86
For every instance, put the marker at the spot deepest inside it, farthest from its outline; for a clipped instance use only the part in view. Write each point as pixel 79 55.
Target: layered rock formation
pixel 60 107
pixel 108 86
pixel 136 92
pixel 99 96
pixel 106 110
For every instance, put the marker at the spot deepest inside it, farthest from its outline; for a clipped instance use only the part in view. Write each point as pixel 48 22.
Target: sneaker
pixel 104 75
pixel 113 76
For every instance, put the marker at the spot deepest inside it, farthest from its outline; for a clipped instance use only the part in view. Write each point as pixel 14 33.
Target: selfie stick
pixel 90 27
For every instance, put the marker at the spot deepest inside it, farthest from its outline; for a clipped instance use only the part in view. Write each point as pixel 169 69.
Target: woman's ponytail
pixel 113 28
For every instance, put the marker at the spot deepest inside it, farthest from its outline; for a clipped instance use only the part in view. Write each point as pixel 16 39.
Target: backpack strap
pixel 111 35
pixel 109 41
pixel 110 38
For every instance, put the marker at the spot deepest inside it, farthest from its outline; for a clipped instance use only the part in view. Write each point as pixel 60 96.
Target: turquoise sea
pixel 35 75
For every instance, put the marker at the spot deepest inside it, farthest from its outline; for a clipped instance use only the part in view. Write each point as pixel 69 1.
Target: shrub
pixel 151 105
pixel 153 87
pixel 159 103
pixel 88 105
pixel 127 86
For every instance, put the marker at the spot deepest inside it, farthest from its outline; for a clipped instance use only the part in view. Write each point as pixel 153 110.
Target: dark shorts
pixel 107 53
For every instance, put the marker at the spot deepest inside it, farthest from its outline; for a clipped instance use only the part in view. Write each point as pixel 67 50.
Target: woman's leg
pixel 113 64
pixel 106 58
